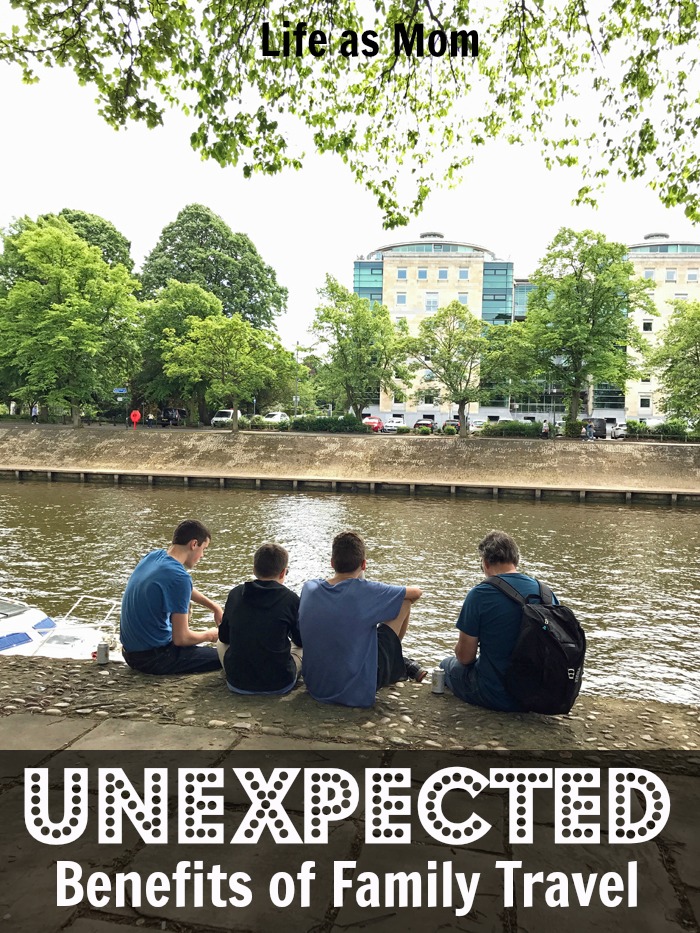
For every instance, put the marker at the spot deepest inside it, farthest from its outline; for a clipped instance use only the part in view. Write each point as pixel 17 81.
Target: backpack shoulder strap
pixel 546 594
pixel 506 589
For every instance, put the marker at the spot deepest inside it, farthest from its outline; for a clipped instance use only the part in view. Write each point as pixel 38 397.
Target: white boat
pixel 25 630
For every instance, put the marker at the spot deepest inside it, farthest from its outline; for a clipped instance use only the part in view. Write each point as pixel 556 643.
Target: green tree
pixel 69 322
pixel 97 231
pixel 450 345
pixel 199 247
pixel 677 358
pixel 233 359
pixel 363 349
pixel 166 318
pixel 610 85
pixel 579 327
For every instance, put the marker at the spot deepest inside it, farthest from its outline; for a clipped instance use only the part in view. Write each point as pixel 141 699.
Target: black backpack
pixel 546 665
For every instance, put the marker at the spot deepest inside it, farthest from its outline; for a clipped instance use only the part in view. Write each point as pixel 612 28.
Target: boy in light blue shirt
pixel 352 630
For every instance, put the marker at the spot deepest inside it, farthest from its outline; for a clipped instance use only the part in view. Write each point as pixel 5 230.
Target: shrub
pixel 511 429
pixel 347 424
pixel 424 430
pixel 284 426
pixel 449 430
pixel 676 426
pixel 403 429
pixel 257 423
pixel 637 427
pixel 243 423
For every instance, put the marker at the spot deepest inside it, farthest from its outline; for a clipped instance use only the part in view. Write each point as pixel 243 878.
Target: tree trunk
pixel 202 409
pixel 462 419
pixel 574 402
pixel 234 419
pixel 75 414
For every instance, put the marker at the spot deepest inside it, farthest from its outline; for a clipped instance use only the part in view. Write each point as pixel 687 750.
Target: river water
pixel 631 573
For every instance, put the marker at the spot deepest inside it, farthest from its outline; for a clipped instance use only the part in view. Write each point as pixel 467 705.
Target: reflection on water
pixel 631 574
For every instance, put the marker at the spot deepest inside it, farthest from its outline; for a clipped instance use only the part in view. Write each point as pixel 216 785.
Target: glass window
pixel 428 399
pixel 402 274
pixel 646 378
pixel 442 275
pixel 431 301
pixel 463 275
pixel 647 326
pixel 670 275
pixel 649 274
pixel 422 274
pixel 401 298
pixel 681 296
pixel 692 275
pixel 463 298
pixel 645 401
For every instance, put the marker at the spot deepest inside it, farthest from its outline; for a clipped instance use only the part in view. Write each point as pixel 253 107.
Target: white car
pixel 476 425
pixel 619 430
pixel 223 418
pixel 275 417
pixel 392 425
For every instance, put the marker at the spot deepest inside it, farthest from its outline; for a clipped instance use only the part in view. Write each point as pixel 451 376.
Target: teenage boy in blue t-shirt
pixel 490 622
pixel 352 630
pixel 155 632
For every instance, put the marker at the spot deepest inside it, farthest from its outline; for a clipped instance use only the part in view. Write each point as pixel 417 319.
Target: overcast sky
pixel 56 152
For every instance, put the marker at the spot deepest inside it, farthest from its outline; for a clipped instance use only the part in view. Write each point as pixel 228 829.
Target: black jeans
pixel 170 659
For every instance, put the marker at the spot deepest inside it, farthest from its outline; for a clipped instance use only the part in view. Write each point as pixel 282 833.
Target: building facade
pixel 414 278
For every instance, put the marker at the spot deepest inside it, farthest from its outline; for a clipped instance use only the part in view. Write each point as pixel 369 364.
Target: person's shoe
pixel 414 671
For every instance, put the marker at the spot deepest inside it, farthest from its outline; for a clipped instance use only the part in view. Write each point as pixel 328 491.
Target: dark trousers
pixel 171 659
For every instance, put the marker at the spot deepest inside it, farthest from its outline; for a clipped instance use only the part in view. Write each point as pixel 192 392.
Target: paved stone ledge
pixel 115 707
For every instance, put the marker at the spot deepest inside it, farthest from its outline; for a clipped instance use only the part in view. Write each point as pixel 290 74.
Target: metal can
pixel 102 656
pixel 438 678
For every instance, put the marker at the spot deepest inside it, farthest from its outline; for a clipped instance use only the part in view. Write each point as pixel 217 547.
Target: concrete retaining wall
pixel 575 464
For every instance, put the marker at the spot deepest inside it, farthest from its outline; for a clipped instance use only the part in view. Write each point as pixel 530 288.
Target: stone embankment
pixel 122 704
pixel 489 463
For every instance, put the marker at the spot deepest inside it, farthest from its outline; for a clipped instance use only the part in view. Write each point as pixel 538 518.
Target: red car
pixel 375 423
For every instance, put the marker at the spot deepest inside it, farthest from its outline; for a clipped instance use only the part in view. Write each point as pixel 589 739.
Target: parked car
pixel 275 417
pixel 451 423
pixel 175 417
pixel 600 427
pixel 374 422
pixel 392 425
pixel 619 430
pixel 476 424
pixel 223 418
pixel 425 423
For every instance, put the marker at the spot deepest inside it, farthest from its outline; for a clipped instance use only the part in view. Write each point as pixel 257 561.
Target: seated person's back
pixel 260 617
pixel 348 653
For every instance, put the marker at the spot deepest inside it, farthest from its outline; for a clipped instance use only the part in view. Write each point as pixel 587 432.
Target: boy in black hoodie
pixel 259 619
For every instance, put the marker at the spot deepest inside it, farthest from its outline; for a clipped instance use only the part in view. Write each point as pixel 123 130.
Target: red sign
pixel 135 417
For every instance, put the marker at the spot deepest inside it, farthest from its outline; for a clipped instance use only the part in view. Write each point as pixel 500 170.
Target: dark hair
pixel 270 560
pixel 348 552
pixel 499 548
pixel 189 530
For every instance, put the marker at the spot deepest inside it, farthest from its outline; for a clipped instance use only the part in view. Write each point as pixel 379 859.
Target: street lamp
pixel 553 428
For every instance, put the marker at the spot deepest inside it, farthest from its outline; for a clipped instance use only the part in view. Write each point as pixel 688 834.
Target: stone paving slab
pixel 28 889
pixel 485 917
pixel 90 925
pixel 136 735
pixel 23 731
pixel 288 743
pixel 658 907
pixel 683 835
pixel 261 861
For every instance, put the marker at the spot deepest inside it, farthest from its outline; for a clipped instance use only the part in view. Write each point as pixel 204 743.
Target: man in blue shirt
pixel 352 630
pixel 490 622
pixel 155 632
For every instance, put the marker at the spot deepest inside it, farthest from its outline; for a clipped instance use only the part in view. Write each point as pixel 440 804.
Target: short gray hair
pixel 499 548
